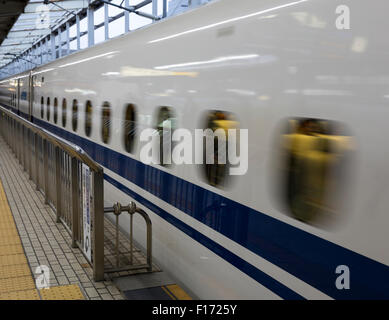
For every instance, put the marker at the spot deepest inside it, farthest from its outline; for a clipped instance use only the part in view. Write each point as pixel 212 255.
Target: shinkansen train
pixel 309 219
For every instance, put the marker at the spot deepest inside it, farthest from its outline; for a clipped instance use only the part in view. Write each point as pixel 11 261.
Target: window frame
pixel 64 112
pixel 55 109
pixel 42 107
pixel 106 107
pixel 173 115
pixel 127 131
pixel 48 109
pixel 75 115
pixel 88 121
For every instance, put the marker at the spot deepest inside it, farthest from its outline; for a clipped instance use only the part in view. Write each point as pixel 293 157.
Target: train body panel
pixel 269 65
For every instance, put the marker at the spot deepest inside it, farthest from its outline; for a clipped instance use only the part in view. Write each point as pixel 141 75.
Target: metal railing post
pixel 75 201
pixel 18 145
pixel 98 228
pixel 149 237
pixel 24 146
pixel 36 162
pixel 46 170
pixel 25 138
pixel 30 148
pixel 58 182
pixel 131 209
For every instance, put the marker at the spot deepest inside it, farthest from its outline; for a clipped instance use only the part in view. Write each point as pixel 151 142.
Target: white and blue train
pixel 315 101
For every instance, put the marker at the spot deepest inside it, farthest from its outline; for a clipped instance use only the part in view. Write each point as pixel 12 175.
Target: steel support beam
pixel 67 38
pixel 78 32
pixel 52 39
pixel 155 8
pixel 126 17
pixel 91 29
pixel 59 43
pixel 65 5
pixel 133 10
pixel 106 22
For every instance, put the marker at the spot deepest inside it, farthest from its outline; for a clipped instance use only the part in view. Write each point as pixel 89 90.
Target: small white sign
pixel 86 192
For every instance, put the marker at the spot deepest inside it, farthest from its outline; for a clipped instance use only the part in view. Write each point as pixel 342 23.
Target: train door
pixel 18 98
pixel 31 80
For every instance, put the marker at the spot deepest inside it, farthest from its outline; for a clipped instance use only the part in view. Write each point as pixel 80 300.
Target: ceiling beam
pixel 64 5
pixel 17 44
pixel 32 33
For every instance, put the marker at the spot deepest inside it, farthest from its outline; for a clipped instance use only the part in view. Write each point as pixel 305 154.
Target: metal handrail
pixel 74 174
pixel 131 209
pixel 72 149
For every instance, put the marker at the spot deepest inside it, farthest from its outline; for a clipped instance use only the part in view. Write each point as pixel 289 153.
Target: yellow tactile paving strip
pixel 20 295
pixel 16 280
pixel 69 292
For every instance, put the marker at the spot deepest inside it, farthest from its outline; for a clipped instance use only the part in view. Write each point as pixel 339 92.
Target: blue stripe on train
pixel 306 256
pixel 261 277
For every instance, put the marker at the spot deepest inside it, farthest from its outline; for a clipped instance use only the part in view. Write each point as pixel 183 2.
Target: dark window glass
pixel 64 113
pixel 216 173
pixel 42 107
pixel 129 128
pixel 48 109
pixel 55 110
pixel 88 118
pixel 75 115
pixel 106 122
pixel 315 163
pixel 166 123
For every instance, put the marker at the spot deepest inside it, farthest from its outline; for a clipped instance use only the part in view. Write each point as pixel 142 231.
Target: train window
pixel 129 128
pixel 216 173
pixel 55 106
pixel 75 115
pixel 106 122
pixel 64 112
pixel 166 121
pixel 48 109
pixel 88 118
pixel 42 107
pixel 315 162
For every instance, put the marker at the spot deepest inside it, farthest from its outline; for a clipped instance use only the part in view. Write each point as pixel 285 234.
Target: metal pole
pixel 36 162
pixel 75 201
pixel 131 238
pixel 91 27
pixel 59 43
pixel 67 38
pixel 164 9
pixel 106 22
pixel 30 139
pixel 53 53
pixel 117 240
pixel 46 169
pixel 98 230
pixel 78 31
pixel 155 9
pixel 126 17
pixel 58 182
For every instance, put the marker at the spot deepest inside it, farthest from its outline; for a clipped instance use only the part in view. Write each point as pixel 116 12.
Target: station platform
pixel 31 238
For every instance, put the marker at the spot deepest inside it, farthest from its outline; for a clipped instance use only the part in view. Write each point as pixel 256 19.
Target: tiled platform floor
pixel 46 242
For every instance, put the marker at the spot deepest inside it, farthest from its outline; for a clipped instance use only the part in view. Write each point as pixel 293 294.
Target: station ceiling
pixel 23 22
pixel 9 13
